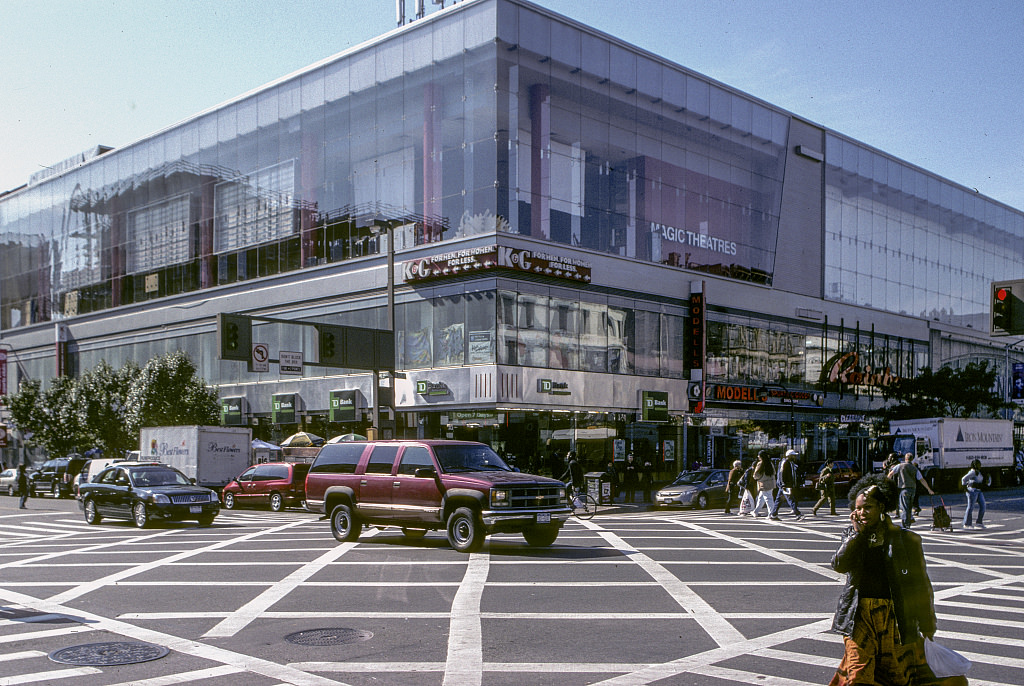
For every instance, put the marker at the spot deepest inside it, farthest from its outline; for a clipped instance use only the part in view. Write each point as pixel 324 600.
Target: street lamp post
pixel 380 228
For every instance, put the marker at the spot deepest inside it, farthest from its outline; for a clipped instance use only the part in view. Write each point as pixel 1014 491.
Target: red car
pixel 273 484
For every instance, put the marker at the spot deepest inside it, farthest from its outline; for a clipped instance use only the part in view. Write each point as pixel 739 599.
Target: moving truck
pixel 945 447
pixel 210 455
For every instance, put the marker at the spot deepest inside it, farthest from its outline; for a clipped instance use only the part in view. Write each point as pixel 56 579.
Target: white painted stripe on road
pixel 464 665
pixel 48 677
pixel 35 635
pixel 223 656
pixel 692 663
pixel 23 655
pixel 720 631
pixel 743 677
pixel 503 667
pixel 90 586
pixel 243 616
pixel 184 677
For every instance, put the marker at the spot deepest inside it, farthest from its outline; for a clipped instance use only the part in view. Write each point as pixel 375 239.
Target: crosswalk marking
pixel 996 590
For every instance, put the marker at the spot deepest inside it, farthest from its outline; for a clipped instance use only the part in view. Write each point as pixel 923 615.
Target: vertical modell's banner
pixel 696 344
pixel 3 372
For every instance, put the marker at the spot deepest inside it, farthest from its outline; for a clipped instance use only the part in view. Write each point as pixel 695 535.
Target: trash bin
pixel 599 485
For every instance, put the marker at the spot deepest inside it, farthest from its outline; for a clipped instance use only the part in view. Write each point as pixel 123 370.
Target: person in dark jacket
pixel 630 478
pixel 826 487
pixel 574 473
pixel 732 489
pixel 22 485
pixel 887 603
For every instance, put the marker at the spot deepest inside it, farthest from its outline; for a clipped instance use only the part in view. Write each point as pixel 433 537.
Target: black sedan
pixel 144 493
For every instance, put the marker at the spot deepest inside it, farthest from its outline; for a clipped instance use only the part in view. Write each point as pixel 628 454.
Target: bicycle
pixel 584 505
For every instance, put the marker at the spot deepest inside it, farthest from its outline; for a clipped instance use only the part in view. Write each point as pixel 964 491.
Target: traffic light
pixel 234 337
pixel 1007 308
pixel 332 345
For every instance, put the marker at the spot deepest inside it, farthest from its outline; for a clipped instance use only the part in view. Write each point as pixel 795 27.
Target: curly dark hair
pixel 883 489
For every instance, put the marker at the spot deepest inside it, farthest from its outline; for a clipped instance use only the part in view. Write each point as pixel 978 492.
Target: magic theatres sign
pixel 490 257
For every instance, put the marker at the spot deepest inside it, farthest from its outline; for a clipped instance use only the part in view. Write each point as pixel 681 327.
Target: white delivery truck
pixel 211 455
pixel 946 446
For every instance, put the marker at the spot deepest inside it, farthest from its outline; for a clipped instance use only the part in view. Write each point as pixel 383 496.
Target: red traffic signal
pixel 1002 294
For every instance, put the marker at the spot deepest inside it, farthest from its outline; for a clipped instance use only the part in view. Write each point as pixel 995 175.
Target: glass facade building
pixel 495 124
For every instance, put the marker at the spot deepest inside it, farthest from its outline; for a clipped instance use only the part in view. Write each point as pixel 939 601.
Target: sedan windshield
pixel 469 458
pixel 691 478
pixel 158 476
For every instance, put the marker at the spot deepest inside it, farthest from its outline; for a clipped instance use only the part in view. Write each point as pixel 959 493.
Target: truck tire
pixel 541 536
pixel 465 531
pixel 344 524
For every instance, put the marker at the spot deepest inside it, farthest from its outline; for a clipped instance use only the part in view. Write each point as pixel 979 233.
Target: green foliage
pixel 948 392
pixel 104 401
pixel 105 408
pixel 26 409
pixel 167 392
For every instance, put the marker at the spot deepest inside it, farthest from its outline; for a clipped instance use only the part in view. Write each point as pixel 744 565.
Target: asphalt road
pixel 631 597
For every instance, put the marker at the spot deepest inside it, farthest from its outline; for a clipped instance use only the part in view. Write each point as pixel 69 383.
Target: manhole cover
pixel 328 637
pixel 104 654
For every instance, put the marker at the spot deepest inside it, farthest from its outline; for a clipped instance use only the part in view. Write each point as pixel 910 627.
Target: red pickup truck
pixel 462 487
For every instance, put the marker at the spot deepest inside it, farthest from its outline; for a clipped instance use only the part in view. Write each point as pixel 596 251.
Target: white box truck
pixel 212 455
pixel 946 446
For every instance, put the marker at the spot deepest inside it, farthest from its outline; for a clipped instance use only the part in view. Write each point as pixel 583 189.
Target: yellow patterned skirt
pixel 874 655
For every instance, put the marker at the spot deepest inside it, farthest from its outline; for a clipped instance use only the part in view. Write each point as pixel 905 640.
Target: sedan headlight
pixel 159 498
pixel 500 497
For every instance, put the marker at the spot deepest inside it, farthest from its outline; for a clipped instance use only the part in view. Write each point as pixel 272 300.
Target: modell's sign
pixel 493 257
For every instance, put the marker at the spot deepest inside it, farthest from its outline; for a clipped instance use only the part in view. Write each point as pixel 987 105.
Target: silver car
pixel 9 481
pixel 701 489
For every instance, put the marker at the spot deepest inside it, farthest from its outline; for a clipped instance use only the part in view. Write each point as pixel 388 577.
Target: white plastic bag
pixel 943 661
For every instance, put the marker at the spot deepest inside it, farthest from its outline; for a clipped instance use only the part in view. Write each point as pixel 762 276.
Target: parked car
pixel 846 474
pixel 56 476
pixel 145 492
pixel 9 481
pixel 90 469
pixel 700 488
pixel 271 484
pixel 461 487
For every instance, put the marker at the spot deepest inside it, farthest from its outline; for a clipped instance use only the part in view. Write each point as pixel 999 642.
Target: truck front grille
pixel 529 497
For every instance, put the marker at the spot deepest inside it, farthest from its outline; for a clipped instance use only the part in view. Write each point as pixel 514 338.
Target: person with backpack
pixel 787 485
pixel 907 475
pixel 764 475
pixel 973 481
pixel 826 487
pixel 732 485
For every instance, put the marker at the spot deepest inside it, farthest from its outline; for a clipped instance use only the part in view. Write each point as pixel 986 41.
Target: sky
pixel 938 83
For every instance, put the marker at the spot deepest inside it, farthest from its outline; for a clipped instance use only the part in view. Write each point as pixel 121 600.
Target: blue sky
pixel 935 82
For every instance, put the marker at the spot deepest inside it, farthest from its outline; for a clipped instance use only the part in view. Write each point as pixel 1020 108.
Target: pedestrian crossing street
pixel 978 578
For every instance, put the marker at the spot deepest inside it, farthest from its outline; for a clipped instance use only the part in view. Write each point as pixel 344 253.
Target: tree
pixel 948 392
pixel 26 409
pixel 167 392
pixel 103 393
pixel 49 419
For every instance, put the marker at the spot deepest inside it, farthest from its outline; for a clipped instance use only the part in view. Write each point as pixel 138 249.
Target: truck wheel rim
pixel 461 531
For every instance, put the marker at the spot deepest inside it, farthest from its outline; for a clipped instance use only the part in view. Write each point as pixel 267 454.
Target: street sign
pixel 3 436
pixel 290 363
pixel 260 357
